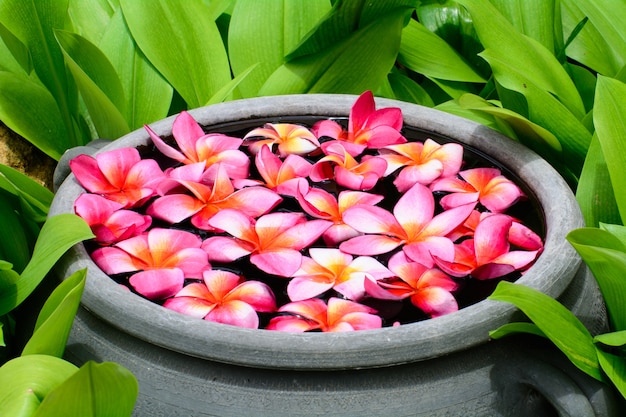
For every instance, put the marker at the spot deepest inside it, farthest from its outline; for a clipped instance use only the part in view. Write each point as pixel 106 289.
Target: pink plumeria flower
pixel 321 204
pixel 119 175
pixel 367 127
pixel 206 201
pixel 224 297
pixel 313 314
pixel 273 241
pixel 288 138
pixel 412 226
pixel 339 165
pixel 429 289
pixel 485 185
pixel 330 268
pixel 282 176
pixel 165 258
pixel 108 221
pixel 421 162
pixel 488 254
pixel 197 146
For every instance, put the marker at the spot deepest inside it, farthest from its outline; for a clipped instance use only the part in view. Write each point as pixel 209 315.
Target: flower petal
pixel 235 313
pixel 158 284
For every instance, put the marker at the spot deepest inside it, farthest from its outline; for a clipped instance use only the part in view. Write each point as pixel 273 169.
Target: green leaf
pixel 225 92
pixel 96 390
pixel 58 234
pixel 350 67
pixel 609 118
pixel 29 109
pixel 26 380
pixel 510 48
pixel 556 322
pixel 56 317
pixel 605 255
pixel 14 55
pixel 486 119
pixel 615 369
pixel 15 250
pixel 515 328
pixel 405 89
pixel 262 36
pixel 425 53
pixel 594 193
pixel 615 339
pixel 616 230
pixel 191 57
pixel 90 19
pixel 98 83
pixel 34 194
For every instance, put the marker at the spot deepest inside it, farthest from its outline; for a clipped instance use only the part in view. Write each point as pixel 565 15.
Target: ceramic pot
pixel 443 366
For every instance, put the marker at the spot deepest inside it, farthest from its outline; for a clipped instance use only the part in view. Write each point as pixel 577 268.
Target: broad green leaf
pixel 96 390
pixel 17 248
pixel 262 36
pixel 509 47
pixel 616 230
pixel 545 110
pixel 351 66
pixel 2 343
pixel 26 380
pixel 98 83
pixel 615 369
pixel 589 47
pixel 58 234
pixel 226 92
pixel 56 317
pixel 28 109
pixel 609 118
pixel 615 339
pixel 495 123
pixel 405 89
pixel 14 55
pixel 515 328
pixel 8 278
pixel 538 19
pixel 424 52
pixel 147 95
pixel 594 193
pixel 90 19
pixel 33 22
pixel 191 57
pixel 605 255
pixel 585 82
pixel 556 322
pixel 36 195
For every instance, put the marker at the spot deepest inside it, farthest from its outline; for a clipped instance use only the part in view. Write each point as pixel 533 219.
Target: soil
pixel 21 155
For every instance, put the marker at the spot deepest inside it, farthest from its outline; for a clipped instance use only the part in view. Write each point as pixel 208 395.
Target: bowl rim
pixel 470 326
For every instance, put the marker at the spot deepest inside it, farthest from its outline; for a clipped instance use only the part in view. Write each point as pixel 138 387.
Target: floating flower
pixel 485 185
pixel 367 127
pixel 488 254
pixel 108 221
pixel 197 146
pixel 330 268
pixel 207 201
pixel 224 297
pixel 289 138
pixel 429 289
pixel 273 241
pixel 412 226
pixel 165 256
pixel 119 175
pixel 339 165
pixel 421 162
pixel 313 314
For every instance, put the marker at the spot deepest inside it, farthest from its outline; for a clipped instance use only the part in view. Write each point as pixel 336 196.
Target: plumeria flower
pixel 289 138
pixel 429 289
pixel 207 201
pixel 321 204
pixel 367 127
pixel 313 314
pixel 421 162
pixel 273 241
pixel 108 221
pixel 119 175
pixel 412 226
pixel 488 254
pixel 165 258
pixel 485 185
pixel 282 176
pixel 197 146
pixel 330 268
pixel 224 297
pixel 339 165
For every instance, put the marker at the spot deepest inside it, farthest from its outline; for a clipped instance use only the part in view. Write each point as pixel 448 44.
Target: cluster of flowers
pixel 339 247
